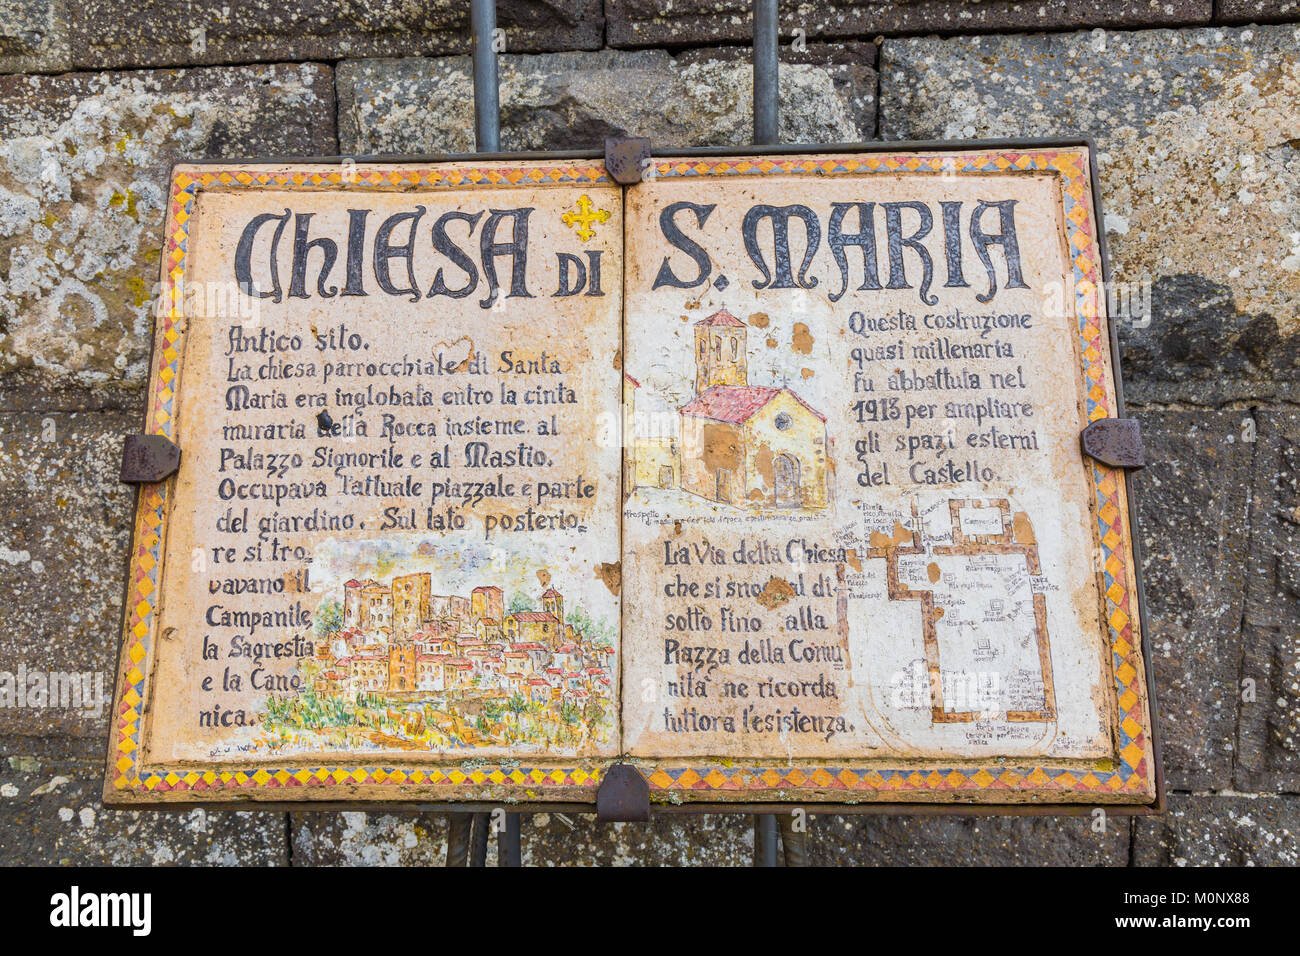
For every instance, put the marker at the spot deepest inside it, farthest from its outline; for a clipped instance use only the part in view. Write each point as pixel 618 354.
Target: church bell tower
pixel 720 351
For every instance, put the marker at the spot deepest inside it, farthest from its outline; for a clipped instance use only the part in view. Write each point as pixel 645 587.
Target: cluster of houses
pixel 401 640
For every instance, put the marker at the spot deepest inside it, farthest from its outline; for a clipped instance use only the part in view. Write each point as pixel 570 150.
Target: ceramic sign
pixel 762 474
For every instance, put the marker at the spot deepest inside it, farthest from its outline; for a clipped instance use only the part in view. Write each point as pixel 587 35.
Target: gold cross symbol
pixel 585 217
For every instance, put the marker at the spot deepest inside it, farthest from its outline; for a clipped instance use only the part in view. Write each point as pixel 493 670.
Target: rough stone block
pixel 871 840
pixel 688 839
pixel 635 23
pixel 369 839
pixel 33 36
pixel 84 167
pixel 1257 11
pixel 107 34
pixel 65 524
pixel 51 815
pixel 1269 740
pixel 1193 501
pixel 1221 830
pixel 575 100
pixel 1200 185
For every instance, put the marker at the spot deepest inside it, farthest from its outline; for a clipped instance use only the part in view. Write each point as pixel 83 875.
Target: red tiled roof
pixel 737 404
pixel 635 383
pixel 721 317
pixel 535 616
pixel 550 592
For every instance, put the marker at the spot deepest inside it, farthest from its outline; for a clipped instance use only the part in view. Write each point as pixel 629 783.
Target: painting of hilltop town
pixel 396 666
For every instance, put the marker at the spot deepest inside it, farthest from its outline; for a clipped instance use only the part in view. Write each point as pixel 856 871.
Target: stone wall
pixel 1195 108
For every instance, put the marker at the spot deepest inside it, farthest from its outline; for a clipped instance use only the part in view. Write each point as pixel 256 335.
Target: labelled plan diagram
pixel 972 567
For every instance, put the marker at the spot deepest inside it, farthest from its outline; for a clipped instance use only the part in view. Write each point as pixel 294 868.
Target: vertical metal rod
pixel 459 826
pixel 509 845
pixel 487 105
pixel 794 844
pixel 766 70
pixel 478 854
pixel 765 832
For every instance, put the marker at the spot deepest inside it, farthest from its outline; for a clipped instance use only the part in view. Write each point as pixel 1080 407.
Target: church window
pixel 783 422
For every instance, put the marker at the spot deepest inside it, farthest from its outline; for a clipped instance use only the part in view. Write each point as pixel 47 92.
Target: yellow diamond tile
pixel 1132 754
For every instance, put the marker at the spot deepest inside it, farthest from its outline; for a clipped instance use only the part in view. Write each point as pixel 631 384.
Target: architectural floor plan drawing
pixel 972 566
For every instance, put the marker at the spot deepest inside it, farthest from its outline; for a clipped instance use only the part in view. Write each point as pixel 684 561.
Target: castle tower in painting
pixel 720 342
pixel 553 604
pixel 410 604
pixel 486 603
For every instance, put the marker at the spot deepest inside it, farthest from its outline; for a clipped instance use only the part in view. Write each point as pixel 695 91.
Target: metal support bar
pixel 459 826
pixel 766 69
pixel 765 833
pixel 487 104
pixel 478 853
pixel 509 844
pixel 794 843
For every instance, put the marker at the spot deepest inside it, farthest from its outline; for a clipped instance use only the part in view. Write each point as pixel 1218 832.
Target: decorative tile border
pixel 1131 771
pixel 1129 775
pixel 141 619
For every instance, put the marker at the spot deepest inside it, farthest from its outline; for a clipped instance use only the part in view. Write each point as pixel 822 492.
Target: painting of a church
pixel 742 444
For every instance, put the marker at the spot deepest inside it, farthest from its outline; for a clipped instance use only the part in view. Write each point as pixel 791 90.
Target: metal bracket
pixel 147 459
pixel 1114 441
pixel 624 796
pixel 625 157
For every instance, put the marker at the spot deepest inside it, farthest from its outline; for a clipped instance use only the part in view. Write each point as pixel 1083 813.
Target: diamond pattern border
pixel 1128 773
pixel 151 515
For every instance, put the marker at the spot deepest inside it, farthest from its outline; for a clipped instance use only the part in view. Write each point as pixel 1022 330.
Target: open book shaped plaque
pixel 762 474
